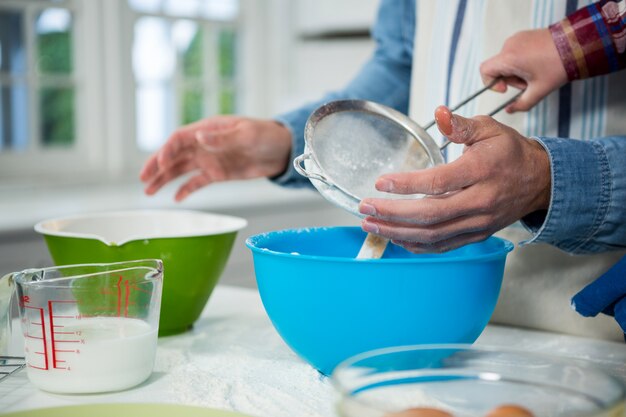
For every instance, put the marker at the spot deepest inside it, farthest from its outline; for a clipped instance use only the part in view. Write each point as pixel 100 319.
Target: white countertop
pixel 233 359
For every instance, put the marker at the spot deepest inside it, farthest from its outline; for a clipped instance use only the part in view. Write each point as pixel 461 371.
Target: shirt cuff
pixel 591 40
pixel 579 195
pixel 290 177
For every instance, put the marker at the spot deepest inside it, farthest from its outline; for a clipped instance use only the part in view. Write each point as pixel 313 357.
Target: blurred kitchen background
pixel 90 88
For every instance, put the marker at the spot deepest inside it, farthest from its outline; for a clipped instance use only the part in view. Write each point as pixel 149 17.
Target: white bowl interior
pixel 123 226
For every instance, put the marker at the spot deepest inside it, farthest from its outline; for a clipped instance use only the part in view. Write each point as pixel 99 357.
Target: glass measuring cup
pixel 90 328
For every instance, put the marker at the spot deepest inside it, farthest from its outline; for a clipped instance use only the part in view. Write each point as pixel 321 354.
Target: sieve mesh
pixel 351 143
pixel 353 149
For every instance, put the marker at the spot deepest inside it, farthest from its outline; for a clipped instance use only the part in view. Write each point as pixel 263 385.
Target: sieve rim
pixel 390 115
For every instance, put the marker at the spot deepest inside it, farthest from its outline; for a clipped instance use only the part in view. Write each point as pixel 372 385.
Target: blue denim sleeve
pixel 587 209
pixel 385 78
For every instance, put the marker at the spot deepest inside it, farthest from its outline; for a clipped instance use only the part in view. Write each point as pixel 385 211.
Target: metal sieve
pixel 350 143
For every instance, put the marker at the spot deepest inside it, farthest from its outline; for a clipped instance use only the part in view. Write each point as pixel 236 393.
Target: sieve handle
pixel 298 165
pixel 476 94
pixel 465 101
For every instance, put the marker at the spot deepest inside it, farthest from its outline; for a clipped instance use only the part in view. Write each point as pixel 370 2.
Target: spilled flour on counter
pixel 243 352
pixel 275 392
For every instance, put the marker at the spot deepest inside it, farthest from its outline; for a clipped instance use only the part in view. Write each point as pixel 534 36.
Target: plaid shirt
pixel 592 40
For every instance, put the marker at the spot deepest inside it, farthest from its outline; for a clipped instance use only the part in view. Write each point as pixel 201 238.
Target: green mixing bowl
pixel 194 247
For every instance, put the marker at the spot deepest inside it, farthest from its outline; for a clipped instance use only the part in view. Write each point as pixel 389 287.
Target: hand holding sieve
pixel 350 143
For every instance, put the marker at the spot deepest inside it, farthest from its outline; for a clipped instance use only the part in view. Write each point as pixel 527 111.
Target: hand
pixel 501 177
pixel 528 60
pixel 220 148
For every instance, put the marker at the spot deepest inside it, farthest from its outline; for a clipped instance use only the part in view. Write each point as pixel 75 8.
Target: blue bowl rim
pixel 251 241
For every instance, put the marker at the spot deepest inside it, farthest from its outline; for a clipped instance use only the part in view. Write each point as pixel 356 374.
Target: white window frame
pixel 40 163
pixel 105 138
pixel 210 75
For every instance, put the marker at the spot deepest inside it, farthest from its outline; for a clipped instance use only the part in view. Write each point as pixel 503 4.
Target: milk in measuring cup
pixel 93 355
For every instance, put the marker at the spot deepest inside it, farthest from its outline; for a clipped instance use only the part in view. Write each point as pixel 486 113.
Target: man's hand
pixel 501 177
pixel 529 61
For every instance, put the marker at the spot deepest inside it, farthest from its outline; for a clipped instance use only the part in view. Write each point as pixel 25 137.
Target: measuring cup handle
pixel 298 165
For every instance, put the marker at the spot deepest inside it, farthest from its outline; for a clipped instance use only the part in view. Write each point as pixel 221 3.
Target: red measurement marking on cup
pixel 119 295
pixel 56 361
pixel 123 296
pixel 42 338
pixel 122 291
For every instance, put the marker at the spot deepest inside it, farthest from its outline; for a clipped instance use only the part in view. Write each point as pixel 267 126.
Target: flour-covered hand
pixel 501 177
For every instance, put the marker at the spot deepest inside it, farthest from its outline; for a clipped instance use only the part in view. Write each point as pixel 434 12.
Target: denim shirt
pixel 587 212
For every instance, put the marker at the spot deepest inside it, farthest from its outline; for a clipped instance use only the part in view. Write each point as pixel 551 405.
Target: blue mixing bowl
pixel 328 306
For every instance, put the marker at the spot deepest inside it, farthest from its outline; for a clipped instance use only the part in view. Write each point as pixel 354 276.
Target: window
pixel 13 82
pixel 91 86
pixel 43 90
pixel 184 64
pixel 38 77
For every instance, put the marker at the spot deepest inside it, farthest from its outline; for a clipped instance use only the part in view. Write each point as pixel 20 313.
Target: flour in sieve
pixel 353 149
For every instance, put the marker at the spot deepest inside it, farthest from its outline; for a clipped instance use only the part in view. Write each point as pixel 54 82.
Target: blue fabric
pixel 565 92
pixel 454 43
pixel 458 23
pixel 587 209
pixel 606 294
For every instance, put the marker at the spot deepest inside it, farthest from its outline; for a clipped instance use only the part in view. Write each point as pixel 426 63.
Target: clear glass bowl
pixel 469 381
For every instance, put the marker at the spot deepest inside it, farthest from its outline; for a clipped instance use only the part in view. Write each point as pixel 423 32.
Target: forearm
pixel 588 196
pixel 385 79
pixel 592 40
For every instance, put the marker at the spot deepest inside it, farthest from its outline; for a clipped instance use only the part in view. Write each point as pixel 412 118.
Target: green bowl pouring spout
pixel 193 245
